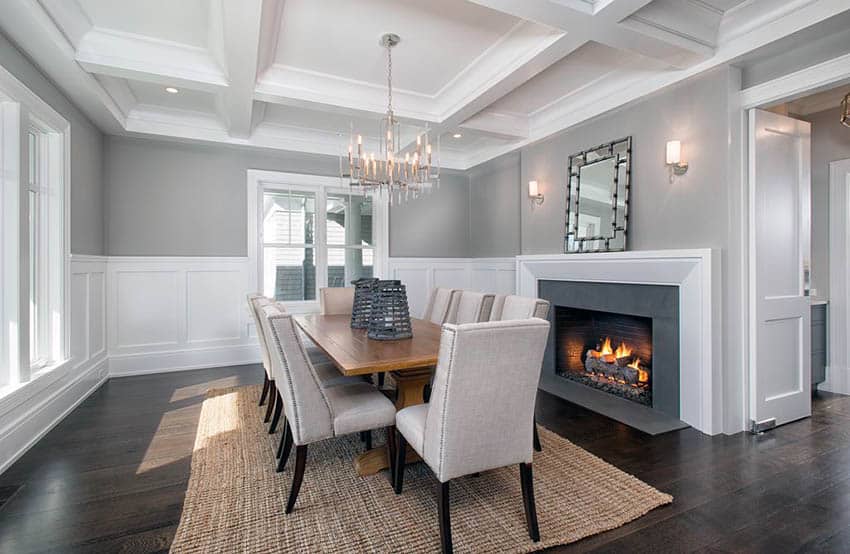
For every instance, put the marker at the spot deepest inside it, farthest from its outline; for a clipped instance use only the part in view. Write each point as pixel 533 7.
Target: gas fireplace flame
pixel 643 375
pixel 607 349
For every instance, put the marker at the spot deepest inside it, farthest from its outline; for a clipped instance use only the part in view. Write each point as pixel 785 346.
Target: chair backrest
pixel 255 302
pixel 483 395
pixel 521 307
pixel 336 300
pixel 441 305
pixel 473 307
pixel 307 409
pixel 498 306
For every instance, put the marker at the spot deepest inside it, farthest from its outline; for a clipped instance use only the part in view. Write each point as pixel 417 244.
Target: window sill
pixel 12 396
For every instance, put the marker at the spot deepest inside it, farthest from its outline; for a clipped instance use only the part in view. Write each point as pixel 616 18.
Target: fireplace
pixel 614 348
pixel 608 351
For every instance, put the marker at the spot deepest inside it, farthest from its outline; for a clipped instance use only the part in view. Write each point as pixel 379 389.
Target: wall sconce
pixel 674 159
pixel 534 194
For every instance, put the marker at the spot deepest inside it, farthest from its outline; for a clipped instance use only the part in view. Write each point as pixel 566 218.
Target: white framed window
pixel 307 232
pixel 34 165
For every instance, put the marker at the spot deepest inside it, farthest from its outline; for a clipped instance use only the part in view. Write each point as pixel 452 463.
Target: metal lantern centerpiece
pixel 390 319
pixel 362 308
pixel 407 160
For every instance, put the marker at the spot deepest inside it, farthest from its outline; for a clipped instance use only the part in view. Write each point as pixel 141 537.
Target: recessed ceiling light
pixel 457 135
pixel 171 90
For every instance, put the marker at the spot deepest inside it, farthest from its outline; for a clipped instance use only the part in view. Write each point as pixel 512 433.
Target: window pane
pixel 289 274
pixel 289 217
pixel 349 220
pixel 33 277
pixel 348 264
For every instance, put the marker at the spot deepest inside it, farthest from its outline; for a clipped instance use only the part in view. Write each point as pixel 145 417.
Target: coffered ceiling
pixel 294 74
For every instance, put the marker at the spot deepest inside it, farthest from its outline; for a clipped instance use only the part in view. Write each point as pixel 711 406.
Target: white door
pixel 780 333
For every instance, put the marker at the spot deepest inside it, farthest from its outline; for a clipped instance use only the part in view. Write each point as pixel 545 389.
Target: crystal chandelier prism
pixel 845 110
pixel 403 167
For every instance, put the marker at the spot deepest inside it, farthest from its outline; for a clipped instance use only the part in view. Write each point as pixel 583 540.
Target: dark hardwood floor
pixel 111 477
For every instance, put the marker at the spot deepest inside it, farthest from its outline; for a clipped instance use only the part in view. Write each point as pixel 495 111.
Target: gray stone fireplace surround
pixel 660 303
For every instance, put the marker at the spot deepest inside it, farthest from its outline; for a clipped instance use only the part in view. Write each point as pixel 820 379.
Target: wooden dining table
pixel 408 361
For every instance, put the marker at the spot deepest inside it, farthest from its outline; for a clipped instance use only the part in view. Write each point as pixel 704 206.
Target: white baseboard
pixel 38 419
pixel 125 365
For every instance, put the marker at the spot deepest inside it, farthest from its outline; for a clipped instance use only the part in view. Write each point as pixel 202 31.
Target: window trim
pixel 21 110
pixel 259 181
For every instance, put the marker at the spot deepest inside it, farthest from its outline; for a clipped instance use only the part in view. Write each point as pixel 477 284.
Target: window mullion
pixel 321 238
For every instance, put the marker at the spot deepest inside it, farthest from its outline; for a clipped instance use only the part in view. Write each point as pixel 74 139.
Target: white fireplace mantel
pixel 697 274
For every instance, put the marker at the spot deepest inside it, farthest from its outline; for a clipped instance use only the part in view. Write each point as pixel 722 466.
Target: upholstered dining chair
pixel 484 390
pixel 441 305
pixel 336 300
pixel 340 301
pixel 508 307
pixel 255 301
pixel 314 412
pixel 326 372
pixel 472 307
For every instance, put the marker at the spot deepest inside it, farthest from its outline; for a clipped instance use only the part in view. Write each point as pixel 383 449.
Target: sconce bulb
pixel 674 152
pixel 532 188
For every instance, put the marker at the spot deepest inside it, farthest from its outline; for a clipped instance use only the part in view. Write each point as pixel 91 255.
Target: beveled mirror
pixel 598 198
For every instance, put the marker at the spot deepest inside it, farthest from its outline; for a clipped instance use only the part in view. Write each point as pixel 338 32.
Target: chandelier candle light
pixel 406 170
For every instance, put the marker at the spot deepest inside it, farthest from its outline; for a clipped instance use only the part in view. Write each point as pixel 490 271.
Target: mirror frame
pixel 616 241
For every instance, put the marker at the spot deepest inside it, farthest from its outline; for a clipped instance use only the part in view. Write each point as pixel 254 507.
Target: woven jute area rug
pixel 235 500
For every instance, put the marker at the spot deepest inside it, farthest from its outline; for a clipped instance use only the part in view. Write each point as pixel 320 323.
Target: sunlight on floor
pixel 167 446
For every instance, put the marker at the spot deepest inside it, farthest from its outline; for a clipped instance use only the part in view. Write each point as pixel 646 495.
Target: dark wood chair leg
pixel 286 446
pixel 527 482
pixel 400 454
pixel 391 453
pixel 381 380
pixel 278 408
pixel 445 519
pixel 265 389
pixel 426 394
pixel 300 462
pixel 537 446
pixel 272 397
pixel 368 441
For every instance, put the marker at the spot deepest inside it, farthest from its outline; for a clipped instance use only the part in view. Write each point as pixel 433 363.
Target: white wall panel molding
pixel 35 407
pixel 497 275
pixel 176 313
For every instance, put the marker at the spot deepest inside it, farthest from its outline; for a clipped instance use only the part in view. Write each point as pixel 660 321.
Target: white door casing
pixel 780 332
pixel 838 367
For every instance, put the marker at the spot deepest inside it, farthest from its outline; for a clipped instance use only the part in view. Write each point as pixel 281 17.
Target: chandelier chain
pixel 389 79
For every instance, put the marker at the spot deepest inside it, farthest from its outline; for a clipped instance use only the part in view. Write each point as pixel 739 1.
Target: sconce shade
pixel 674 152
pixel 532 188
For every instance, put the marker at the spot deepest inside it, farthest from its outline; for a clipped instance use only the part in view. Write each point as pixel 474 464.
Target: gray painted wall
pixel 436 225
pixel 494 208
pixel 87 221
pixel 169 198
pixel 830 142
pixel 691 212
pixel 698 210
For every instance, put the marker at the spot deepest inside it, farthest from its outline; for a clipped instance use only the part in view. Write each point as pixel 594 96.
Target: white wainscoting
pixel 497 275
pixel 30 411
pixel 176 313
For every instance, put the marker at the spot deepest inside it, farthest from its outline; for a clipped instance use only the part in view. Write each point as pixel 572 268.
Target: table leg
pixel 410 387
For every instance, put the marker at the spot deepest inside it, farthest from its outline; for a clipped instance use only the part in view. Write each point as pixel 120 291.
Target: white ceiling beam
pixel 37 32
pixel 510 126
pixel 604 26
pixel 142 58
pixel 242 40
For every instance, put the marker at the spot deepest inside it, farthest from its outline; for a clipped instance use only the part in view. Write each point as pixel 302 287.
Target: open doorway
pixel 799 161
